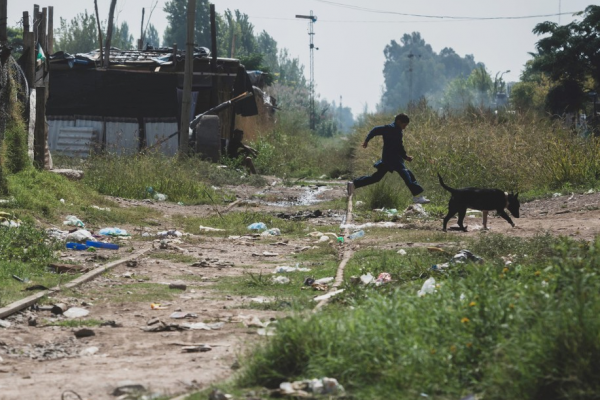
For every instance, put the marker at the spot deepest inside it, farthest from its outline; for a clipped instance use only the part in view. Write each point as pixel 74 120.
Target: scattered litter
pixel 366 278
pixel 76 312
pixel 22 280
pixel 284 268
pixel 359 203
pixel 216 394
pixel 254 322
pixel 415 209
pixel 323 239
pixel 113 232
pixel 328 295
pixel 73 221
pixel 212 263
pixel 357 235
pixel 76 246
pixel 102 245
pixel 257 226
pixel 180 286
pixel 260 300
pixel 196 349
pixel 203 326
pixel 386 224
pixel 271 232
pixel 590 191
pixel 57 234
pixel 209 229
pixel 182 315
pixel 62 201
pixel 4 324
pixel 556 194
pixel 383 278
pixel 402 252
pixel 266 331
pixel 157 306
pixel 265 254
pixel 90 351
pixel 281 280
pixel 324 281
pixel 321 386
pixel 461 257
pixel 428 287
pixel 169 233
pixel 80 235
pixel 101 208
pixel 126 388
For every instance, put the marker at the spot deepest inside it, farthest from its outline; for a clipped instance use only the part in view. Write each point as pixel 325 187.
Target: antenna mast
pixel 311 34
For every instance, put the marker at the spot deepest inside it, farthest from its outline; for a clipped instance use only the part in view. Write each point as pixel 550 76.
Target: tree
pixel 413 70
pixel 267 46
pixel 235 25
pixel 78 36
pixel 152 37
pixel 481 82
pixel 15 40
pixel 122 39
pixel 176 28
pixel 569 57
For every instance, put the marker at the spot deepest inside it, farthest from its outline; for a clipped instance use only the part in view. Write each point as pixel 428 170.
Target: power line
pixel 371 10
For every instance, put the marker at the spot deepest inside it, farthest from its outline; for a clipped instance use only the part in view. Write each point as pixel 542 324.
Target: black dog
pixel 480 199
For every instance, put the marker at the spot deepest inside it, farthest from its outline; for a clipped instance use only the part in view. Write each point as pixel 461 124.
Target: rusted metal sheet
pixel 122 135
pixel 157 129
pixel 97 123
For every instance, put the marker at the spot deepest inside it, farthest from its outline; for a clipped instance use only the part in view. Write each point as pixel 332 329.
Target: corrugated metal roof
pixel 76 141
pixel 55 124
pixel 122 135
pixel 158 130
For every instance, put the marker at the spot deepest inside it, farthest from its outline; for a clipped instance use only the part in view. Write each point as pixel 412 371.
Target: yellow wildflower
pixel 511 305
pixel 469 344
pixel 537 273
pixel 464 320
pixel 453 349
pixel 504 270
pixel 472 304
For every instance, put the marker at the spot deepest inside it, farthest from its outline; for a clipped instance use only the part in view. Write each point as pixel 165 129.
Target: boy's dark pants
pixel 382 169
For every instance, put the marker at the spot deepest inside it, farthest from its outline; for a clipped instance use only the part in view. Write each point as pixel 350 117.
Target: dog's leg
pixel 485 214
pixel 461 216
pixel 452 210
pixel 504 215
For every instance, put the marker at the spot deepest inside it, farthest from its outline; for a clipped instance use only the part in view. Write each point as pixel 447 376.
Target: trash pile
pixel 323 386
pixel 461 257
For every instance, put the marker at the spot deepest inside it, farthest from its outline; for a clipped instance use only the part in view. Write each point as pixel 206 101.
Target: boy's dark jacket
pixel 393 153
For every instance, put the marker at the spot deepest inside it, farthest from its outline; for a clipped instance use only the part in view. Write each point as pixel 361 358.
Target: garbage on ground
pixel 76 246
pixel 416 210
pixel 383 278
pixel 509 259
pixel 157 306
pixel 357 235
pixel 22 280
pixel 57 234
pixel 80 235
pixel 359 203
pixel 182 315
pixel 402 252
pixel 212 263
pixel 4 324
pixel 178 286
pixel 304 215
pixel 155 195
pixel 265 254
pixel 328 295
pixel 81 333
pixel 270 331
pixel 113 232
pixel 101 208
pixel 324 281
pixel 76 312
pixel 257 226
pixel 260 300
pixel 340 239
pixel 282 280
pixel 271 232
pixel 215 326
pixel 171 232
pixel 209 229
pixel 195 349
pixel 254 322
pixel 556 194
pixel 321 386
pixel 427 288
pixel 216 394
pixel 461 257
pixel 73 221
pixel 6 219
pixel 590 191
pixel 285 268
pixel 386 224
pixel 90 351
pixel 102 245
pixel 323 239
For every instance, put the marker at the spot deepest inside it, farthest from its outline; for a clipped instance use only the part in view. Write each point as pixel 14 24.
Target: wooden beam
pixel 39 136
pixel 29 49
pixel 186 101
pixel 214 95
pixel 99 32
pixel 50 42
pixel 43 25
pixel 109 32
pixel 25 21
pixel 3 21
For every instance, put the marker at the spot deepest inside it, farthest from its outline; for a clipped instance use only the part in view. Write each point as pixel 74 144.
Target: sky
pixel 351 35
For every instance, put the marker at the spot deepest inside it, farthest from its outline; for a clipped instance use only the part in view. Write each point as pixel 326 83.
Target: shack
pixel 135 102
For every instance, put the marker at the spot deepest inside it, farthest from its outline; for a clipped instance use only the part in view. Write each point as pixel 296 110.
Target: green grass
pixel 73 323
pixel 139 292
pixel 526 332
pixel 174 257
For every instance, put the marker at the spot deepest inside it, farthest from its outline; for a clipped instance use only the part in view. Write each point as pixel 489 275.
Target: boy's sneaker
pixel 421 200
pixel 350 188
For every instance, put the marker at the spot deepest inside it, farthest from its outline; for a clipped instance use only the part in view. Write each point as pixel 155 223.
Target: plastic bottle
pixel 357 235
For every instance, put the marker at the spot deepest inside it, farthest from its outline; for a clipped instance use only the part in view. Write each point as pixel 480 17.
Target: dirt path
pixel 46 361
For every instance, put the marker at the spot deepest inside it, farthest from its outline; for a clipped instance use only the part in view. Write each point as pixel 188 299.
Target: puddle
pixel 309 196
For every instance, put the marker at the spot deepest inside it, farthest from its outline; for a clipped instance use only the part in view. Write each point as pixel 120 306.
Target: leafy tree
pixel 152 37
pixel 15 40
pixel 290 72
pixel 80 35
pixel 481 82
pixel 235 24
pixel 569 57
pixel 267 46
pixel 122 39
pixel 176 29
pixel 413 70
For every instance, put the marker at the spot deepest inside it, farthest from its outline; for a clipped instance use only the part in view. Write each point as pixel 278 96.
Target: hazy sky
pixel 352 34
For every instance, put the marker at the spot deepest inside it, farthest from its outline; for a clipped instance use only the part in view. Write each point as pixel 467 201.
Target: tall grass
pixel 526 332
pixel 521 152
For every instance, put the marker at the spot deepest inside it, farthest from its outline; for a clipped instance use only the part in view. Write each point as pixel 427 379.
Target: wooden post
pixel 25 22
pixel 214 97
pixel 186 101
pixel 3 21
pixel 50 42
pixel 43 25
pixel 36 25
pixel 109 31
pixel 99 32
pixel 141 41
pixel 39 140
pixel 29 48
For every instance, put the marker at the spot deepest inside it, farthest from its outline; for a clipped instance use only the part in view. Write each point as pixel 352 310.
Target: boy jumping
pixel 392 159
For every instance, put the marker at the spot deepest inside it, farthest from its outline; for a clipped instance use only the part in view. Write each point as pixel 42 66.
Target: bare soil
pixel 45 362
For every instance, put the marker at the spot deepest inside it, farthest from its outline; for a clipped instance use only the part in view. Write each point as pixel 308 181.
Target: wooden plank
pixel 28 301
pixel 50 41
pixel 3 21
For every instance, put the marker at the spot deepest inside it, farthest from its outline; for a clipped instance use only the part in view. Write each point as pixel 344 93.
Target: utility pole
pixel 141 40
pixel 109 32
pixel 311 34
pixel 411 57
pixel 186 100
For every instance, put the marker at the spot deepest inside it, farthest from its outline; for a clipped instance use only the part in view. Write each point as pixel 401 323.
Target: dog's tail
pixel 448 188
